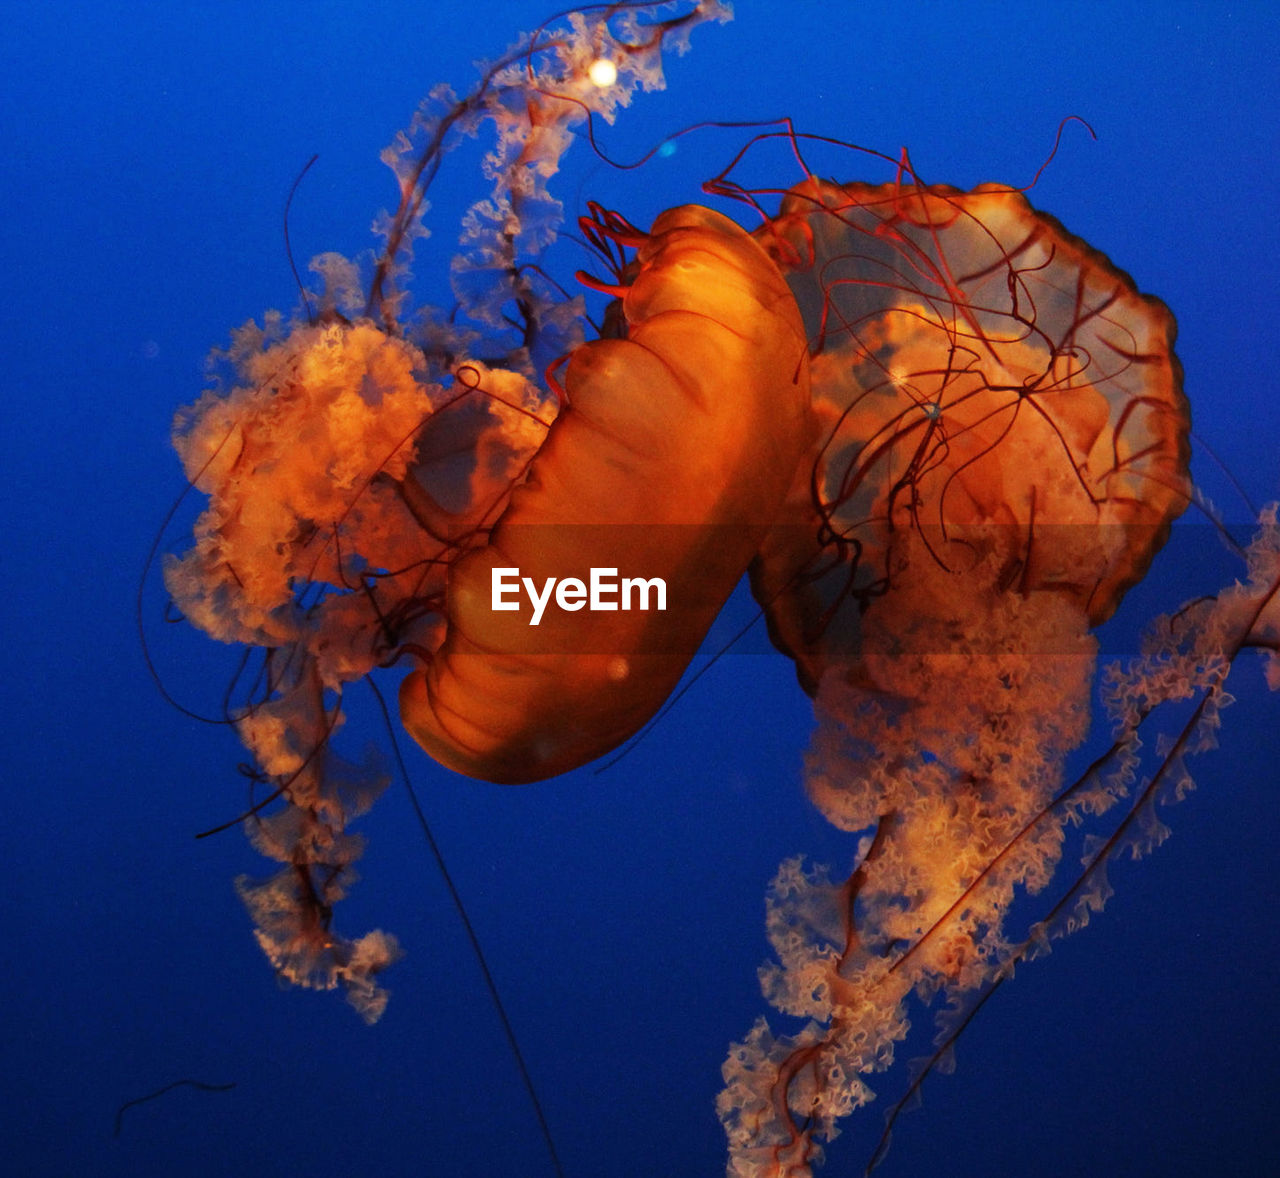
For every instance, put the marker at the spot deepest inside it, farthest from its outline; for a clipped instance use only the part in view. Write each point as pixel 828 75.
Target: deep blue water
pixel 147 154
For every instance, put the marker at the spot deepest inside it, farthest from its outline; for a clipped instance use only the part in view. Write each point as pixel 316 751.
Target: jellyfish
pixel 1003 448
pixel 941 434
pixel 358 460
pixel 989 386
pixel 674 452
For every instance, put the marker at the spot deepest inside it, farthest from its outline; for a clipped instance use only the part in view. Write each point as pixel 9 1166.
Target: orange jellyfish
pixel 988 386
pixel 1003 447
pixel 358 463
pixel 670 460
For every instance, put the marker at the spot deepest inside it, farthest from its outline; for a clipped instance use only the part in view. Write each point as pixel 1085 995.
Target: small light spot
pixel 602 72
pixel 618 669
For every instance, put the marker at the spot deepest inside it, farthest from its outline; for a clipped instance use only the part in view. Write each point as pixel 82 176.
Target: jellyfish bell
pixel 986 382
pixel 668 463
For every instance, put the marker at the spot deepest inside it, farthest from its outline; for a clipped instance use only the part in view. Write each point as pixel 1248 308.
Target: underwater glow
pixel 602 72
pixel 992 450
